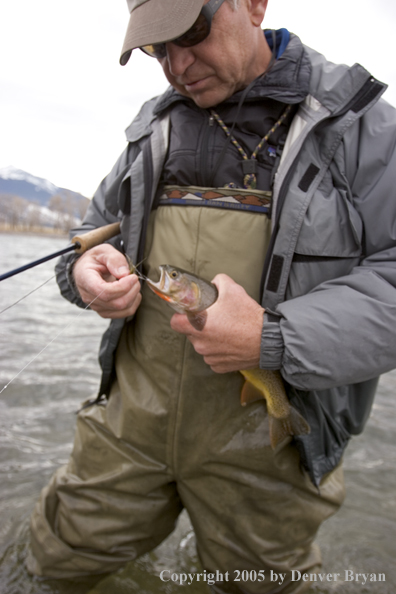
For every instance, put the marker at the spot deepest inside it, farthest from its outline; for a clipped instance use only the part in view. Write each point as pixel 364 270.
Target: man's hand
pixel 231 338
pixel 104 271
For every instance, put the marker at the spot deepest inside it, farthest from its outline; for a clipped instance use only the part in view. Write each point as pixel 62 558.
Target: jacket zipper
pixel 277 214
pixel 203 173
pixel 274 233
pixel 369 90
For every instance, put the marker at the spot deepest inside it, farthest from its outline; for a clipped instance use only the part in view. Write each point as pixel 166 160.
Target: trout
pixel 191 295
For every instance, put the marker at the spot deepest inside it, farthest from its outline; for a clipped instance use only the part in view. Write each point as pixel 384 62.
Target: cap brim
pixel 157 21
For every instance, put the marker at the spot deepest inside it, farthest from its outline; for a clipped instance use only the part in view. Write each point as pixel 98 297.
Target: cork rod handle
pixel 95 237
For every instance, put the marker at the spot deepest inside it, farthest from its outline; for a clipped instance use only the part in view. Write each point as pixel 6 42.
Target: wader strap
pixel 148 191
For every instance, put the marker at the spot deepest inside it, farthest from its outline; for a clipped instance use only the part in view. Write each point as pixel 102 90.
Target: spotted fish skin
pixel 284 419
pixel 190 294
pixel 185 292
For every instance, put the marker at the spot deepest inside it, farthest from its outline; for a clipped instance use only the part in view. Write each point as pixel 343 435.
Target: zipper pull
pixel 211 120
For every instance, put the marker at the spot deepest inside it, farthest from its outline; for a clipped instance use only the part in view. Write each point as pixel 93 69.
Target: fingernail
pixel 123 270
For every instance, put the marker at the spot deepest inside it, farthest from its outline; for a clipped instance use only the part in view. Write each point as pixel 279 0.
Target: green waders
pixel 174 434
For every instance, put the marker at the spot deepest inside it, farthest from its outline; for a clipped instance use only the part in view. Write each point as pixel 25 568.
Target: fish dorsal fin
pixel 197 320
pixel 250 393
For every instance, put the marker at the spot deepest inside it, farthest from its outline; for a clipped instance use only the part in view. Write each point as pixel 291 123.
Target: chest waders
pixel 173 434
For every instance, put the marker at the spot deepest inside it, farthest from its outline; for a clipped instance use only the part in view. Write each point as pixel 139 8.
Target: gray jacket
pixel 330 274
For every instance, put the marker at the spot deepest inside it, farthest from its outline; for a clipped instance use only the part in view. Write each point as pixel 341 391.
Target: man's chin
pixel 208 99
pixel 203 95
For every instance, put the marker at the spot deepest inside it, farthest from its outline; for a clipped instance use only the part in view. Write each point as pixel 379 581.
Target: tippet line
pixel 27 295
pixel 51 341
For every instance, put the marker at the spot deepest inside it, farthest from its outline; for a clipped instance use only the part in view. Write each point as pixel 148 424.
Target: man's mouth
pixel 196 84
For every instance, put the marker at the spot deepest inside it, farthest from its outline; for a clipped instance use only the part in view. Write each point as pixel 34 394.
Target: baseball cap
pixel 157 21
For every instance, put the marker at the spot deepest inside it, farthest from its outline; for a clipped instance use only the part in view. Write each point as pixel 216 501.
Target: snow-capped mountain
pixel 28 201
pixel 20 183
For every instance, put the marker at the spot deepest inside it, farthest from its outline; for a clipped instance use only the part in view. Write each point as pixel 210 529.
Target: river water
pixel 37 416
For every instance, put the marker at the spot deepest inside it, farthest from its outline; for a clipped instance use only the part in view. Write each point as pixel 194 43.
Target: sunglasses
pixel 197 33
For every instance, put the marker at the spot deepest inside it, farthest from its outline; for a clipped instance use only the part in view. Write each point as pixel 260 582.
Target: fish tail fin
pixel 293 424
pixel 197 320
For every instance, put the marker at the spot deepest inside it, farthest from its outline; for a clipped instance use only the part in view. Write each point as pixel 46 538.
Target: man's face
pixel 233 55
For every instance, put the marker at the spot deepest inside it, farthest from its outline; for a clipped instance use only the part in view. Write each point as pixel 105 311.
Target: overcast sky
pixel 65 100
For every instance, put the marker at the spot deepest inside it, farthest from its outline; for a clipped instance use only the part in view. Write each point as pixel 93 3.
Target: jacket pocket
pixel 331 227
pixel 330 242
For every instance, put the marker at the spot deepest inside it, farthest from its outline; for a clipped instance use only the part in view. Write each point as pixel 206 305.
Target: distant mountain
pixel 34 189
pixel 28 202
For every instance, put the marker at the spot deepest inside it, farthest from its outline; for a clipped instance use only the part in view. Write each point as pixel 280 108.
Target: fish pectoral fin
pixel 197 320
pixel 293 424
pixel 250 393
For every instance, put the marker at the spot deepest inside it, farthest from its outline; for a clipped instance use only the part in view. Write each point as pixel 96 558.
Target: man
pixel 270 171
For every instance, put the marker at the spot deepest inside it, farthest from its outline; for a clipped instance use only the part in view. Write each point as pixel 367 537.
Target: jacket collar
pixel 337 87
pixel 298 73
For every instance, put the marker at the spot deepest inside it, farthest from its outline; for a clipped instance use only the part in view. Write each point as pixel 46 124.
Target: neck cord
pixel 240 103
pixel 249 166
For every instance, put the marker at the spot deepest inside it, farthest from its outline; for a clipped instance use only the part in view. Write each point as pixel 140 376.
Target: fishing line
pixel 51 341
pixel 27 295
pixel 134 271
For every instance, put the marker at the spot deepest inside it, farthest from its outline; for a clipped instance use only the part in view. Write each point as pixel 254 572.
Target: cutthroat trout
pixel 186 293
pixel 190 294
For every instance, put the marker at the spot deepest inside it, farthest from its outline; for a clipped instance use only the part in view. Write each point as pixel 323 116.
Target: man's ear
pixel 257 10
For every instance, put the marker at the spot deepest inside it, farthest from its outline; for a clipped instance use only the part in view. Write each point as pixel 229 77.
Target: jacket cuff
pixel 272 345
pixel 65 279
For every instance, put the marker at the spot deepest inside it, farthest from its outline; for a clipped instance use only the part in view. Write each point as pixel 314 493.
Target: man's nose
pixel 179 58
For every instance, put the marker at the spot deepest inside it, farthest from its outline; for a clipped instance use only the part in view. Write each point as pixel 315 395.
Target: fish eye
pixel 173 274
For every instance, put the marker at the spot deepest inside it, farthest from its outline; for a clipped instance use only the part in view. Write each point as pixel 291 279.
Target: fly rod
pixel 79 244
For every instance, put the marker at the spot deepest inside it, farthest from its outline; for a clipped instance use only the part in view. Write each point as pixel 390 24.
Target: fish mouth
pixel 161 287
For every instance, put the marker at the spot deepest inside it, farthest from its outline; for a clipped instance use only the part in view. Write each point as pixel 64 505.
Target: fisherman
pixel 270 171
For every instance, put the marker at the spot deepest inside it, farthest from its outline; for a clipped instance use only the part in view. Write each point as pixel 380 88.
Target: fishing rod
pixel 79 244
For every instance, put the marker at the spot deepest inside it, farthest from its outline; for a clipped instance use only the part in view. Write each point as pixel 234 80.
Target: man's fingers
pixel 99 265
pixel 115 263
pixel 222 281
pixel 105 291
pixel 107 312
pixel 117 294
pixel 180 323
pixel 231 337
pixel 104 281
pixel 118 289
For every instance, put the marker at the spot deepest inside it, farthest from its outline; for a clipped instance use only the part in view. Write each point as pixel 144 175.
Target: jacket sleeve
pixel 97 215
pixel 344 330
